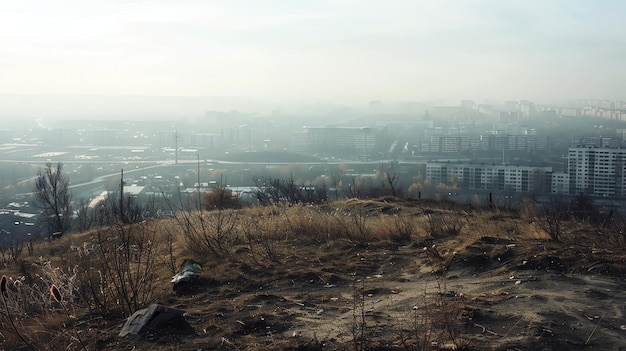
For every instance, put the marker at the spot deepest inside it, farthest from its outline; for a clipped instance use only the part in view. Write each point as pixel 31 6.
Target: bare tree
pixel 352 186
pixel 110 211
pixel 274 191
pixel 391 178
pixel 84 216
pixel 53 193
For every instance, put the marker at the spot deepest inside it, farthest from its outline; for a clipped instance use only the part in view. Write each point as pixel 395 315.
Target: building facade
pixel 597 171
pixel 491 177
pixel 356 140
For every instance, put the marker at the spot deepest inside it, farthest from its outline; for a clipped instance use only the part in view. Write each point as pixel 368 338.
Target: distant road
pixel 101 179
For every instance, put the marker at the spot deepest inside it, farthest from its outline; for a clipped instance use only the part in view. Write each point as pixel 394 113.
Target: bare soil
pixel 477 290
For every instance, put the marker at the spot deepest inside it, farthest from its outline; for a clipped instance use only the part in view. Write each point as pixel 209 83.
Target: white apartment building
pixel 597 171
pixel 560 183
pixel 491 177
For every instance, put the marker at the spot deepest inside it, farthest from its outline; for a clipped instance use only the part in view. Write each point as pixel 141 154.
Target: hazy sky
pixel 327 50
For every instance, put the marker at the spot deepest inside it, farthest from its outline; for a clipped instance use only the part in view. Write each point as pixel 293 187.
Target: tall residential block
pixel 597 171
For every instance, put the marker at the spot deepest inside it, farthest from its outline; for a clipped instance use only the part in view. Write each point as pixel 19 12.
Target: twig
pixel 485 330
pixel 594 329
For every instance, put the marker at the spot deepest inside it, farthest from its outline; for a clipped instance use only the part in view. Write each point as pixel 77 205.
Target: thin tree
pixel 53 193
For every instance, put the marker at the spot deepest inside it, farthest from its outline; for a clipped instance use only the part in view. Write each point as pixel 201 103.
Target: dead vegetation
pixel 352 275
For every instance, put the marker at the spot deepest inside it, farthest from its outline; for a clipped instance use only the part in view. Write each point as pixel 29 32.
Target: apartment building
pixel 485 142
pixel 491 177
pixel 358 140
pixel 598 171
pixel 560 183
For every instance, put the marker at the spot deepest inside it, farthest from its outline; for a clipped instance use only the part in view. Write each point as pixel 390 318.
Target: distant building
pixel 560 183
pixel 621 134
pixel 336 140
pixel 597 171
pixel 491 177
pixel 449 143
pixel 595 141
pixel 485 142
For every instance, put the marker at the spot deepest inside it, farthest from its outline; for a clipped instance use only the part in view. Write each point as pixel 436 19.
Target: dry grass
pixel 107 273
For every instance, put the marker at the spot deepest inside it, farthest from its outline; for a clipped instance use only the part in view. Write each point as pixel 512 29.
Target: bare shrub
pixel 359 328
pixel 111 210
pixel 220 197
pixel 583 209
pixel 354 226
pixel 435 321
pixel 264 239
pixel 118 275
pixel 169 238
pixel 553 217
pixel 616 233
pixel 12 252
pixel 212 232
pixel 273 191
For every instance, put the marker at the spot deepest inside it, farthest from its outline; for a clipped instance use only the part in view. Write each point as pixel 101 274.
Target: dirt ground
pixel 490 281
pixel 492 294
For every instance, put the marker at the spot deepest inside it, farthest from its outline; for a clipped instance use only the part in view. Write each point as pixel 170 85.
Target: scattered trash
pixel 181 280
pixel 154 317
pixel 517 282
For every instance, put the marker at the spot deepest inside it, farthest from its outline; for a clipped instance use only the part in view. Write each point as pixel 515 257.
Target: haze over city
pixel 300 175
pixel 441 92
pixel 273 53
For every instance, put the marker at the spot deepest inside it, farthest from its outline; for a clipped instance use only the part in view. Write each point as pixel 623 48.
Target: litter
pixel 154 317
pixel 182 279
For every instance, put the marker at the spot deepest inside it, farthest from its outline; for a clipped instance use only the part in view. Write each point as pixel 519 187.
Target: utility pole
pixel 199 197
pixel 122 217
pixel 175 146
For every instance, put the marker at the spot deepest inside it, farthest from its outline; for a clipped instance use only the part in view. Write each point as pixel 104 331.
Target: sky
pixel 317 50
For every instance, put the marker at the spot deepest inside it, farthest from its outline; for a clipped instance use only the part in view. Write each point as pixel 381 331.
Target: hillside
pixel 382 274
